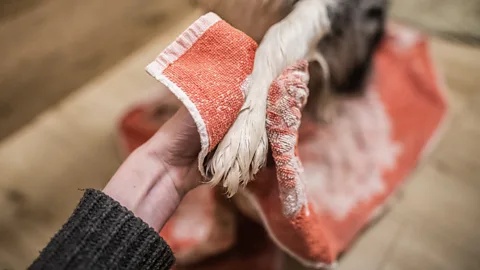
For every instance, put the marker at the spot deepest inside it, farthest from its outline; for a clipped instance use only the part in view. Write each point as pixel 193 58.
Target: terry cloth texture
pixel 349 168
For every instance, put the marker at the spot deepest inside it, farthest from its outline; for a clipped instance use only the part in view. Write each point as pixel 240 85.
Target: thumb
pixel 179 139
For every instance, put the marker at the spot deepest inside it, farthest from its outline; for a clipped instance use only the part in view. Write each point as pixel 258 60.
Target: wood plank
pixel 51 49
pixel 420 249
pixel 11 9
pixel 373 246
pixel 459 18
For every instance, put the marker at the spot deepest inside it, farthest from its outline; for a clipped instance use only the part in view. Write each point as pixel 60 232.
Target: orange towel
pixel 350 167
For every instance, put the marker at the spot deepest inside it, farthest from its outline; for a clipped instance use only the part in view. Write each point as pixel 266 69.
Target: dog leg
pixel 242 152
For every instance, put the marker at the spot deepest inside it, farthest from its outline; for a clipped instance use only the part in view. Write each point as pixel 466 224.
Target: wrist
pixel 146 186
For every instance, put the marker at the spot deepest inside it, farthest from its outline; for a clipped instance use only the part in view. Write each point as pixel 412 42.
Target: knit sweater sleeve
pixel 102 234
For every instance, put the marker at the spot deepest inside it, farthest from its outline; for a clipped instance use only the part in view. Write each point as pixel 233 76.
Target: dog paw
pixel 242 152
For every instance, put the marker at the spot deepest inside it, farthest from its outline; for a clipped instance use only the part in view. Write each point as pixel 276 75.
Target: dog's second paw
pixel 242 152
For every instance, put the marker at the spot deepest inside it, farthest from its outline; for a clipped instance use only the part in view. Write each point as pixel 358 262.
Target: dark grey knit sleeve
pixel 102 234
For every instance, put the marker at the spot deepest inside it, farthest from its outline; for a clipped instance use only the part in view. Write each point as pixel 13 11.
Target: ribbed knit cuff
pixel 102 234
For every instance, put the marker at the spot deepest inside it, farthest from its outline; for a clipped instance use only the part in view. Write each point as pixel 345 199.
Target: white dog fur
pixel 242 152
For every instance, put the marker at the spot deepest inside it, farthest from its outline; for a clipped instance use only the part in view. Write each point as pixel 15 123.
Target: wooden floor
pixel 72 145
pixel 50 48
pixel 459 18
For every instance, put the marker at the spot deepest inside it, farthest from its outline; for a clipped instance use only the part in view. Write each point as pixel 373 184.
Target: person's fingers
pixel 185 137
pixel 164 102
pixel 178 140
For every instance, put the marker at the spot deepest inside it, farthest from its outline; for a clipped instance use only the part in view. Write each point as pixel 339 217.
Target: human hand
pixel 157 175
